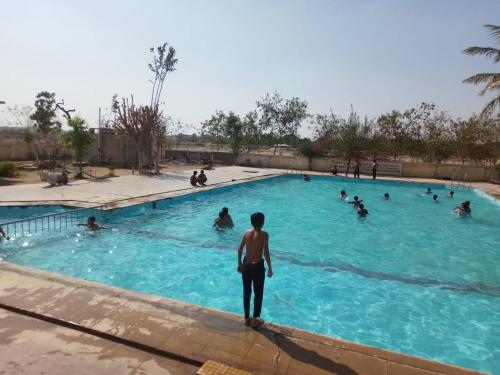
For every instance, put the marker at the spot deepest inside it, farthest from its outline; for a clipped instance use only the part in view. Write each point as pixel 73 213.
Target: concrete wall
pixel 449 171
pixel 14 150
pixel 385 168
pixel 121 150
pixel 115 149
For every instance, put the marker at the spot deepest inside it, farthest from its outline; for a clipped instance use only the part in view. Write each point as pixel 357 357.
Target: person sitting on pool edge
pixel 92 225
pixel 356 202
pixel 202 178
pixel 386 196
pixel 362 211
pixel 3 235
pixel 334 170
pixel 343 195
pixel 464 209
pixel 252 269
pixel 435 198
pixel 194 179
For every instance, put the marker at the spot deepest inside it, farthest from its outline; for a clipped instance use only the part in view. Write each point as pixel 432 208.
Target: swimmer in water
pixel 224 220
pixel 435 198
pixel 386 196
pixel 464 209
pixel 92 225
pixel 307 177
pixel 429 191
pixel 356 202
pixel 451 193
pixel 362 211
pixel 343 195
pixel 3 235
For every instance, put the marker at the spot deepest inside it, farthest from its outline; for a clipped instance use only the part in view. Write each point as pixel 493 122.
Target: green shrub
pixel 8 169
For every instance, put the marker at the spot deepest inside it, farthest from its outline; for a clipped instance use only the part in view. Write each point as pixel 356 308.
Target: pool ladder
pixel 42 223
pixel 459 184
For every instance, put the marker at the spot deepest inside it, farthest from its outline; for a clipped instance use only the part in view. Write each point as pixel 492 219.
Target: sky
pixel 376 55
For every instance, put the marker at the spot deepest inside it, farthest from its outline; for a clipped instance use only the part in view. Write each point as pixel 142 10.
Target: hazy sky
pixel 375 55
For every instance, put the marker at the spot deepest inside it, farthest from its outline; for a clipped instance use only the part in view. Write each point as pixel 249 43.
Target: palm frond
pixel 490 108
pixel 482 77
pixel 494 85
pixel 494 53
pixel 494 31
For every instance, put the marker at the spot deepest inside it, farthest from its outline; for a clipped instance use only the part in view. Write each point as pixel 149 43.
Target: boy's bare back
pixel 256 242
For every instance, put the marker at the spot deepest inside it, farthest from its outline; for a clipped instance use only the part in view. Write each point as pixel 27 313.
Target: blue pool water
pixel 411 277
pixel 10 213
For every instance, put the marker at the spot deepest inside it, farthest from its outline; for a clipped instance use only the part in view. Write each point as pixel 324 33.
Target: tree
pixel 351 137
pixel 439 144
pixel 214 129
pixel 46 126
pixel 324 128
pixel 466 136
pixel 140 123
pixel 225 129
pixel 310 150
pixel 490 80
pixel 45 117
pixel 282 117
pixel 78 138
pixel 146 124
pixel 252 131
pixel 403 130
pixel 233 130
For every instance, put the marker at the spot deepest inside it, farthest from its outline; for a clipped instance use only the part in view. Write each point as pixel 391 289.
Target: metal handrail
pixel 45 222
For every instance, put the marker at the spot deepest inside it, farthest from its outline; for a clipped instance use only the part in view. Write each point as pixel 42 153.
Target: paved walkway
pixel 120 189
pixel 58 324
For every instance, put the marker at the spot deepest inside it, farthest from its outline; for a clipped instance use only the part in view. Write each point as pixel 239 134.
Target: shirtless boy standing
pixel 252 268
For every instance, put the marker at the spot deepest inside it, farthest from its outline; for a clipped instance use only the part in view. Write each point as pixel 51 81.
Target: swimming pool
pixel 411 277
pixel 11 213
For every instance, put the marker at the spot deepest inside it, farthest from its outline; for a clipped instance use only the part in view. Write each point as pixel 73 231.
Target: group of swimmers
pixel 357 203
pixel 463 209
pixel 198 179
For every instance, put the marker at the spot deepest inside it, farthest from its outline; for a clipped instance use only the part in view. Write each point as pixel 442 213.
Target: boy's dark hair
pixel 356 197
pixel 386 194
pixel 434 196
pixel 361 205
pixel 225 210
pixel 91 218
pixel 195 172
pixel 452 192
pixel 221 214
pixel 257 219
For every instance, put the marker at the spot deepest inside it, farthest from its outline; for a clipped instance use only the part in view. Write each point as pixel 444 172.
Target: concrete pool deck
pixel 127 190
pixel 57 324
pixel 63 325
